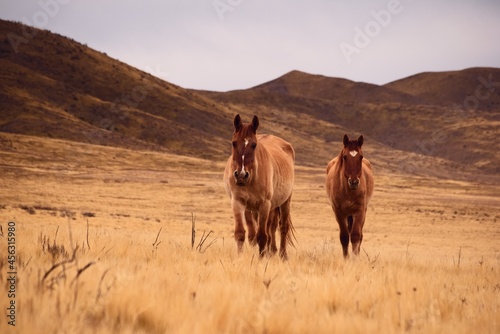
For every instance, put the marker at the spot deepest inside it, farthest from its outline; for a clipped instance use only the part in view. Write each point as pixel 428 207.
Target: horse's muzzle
pixel 241 178
pixel 353 184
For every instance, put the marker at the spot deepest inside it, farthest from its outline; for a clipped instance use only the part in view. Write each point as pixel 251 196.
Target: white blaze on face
pixel 243 158
pixel 243 163
pixel 353 153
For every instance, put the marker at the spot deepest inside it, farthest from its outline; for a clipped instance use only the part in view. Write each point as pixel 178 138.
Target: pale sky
pixel 225 45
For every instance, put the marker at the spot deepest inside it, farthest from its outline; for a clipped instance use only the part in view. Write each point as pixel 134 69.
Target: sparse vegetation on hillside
pixel 60 88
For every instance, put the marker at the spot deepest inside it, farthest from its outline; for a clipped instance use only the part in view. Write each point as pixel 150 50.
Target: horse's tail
pixel 286 225
pixel 290 237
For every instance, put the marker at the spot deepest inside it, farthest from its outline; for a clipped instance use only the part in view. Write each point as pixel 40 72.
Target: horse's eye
pixel 344 157
pixel 254 145
pixel 235 143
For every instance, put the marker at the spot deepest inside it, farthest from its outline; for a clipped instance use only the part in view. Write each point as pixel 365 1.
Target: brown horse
pixel 349 186
pixel 259 180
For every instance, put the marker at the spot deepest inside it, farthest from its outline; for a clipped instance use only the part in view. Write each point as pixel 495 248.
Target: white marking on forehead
pixel 246 142
pixel 353 153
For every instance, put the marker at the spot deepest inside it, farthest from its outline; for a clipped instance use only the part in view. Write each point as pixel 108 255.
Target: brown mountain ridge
pixel 431 114
pixel 59 88
pixel 56 87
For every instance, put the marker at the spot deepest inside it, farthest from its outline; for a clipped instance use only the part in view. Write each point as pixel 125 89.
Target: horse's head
pixel 352 159
pixel 244 143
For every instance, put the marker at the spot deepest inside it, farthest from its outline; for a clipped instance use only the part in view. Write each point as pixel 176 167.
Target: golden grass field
pixel 429 261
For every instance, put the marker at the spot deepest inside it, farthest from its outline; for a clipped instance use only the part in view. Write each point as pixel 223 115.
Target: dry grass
pixel 429 264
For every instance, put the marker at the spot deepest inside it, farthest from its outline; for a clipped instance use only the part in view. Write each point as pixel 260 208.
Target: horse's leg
pixel 285 226
pixel 251 218
pixel 239 230
pixel 344 231
pixel 272 225
pixel 357 231
pixel 264 210
pixel 349 223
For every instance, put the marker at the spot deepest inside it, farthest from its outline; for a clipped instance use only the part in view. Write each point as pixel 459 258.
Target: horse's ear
pixel 237 123
pixel 346 140
pixel 255 124
pixel 360 141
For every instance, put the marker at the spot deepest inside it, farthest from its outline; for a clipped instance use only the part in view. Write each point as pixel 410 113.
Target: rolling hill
pixel 58 88
pixel 470 89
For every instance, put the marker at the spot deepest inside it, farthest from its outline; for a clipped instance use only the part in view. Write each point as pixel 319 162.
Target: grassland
pixel 103 239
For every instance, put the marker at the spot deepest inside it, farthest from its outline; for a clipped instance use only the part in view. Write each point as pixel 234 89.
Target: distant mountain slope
pixel 320 87
pixel 412 115
pixel 297 85
pixel 59 88
pixel 473 88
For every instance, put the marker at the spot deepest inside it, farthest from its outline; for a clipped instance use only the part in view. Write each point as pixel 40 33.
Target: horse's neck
pixel 340 162
pixel 339 170
pixel 260 155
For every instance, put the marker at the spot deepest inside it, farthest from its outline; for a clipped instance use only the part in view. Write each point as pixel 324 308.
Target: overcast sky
pixel 235 44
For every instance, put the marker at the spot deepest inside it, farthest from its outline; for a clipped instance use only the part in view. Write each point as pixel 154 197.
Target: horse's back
pixel 280 158
pixel 277 146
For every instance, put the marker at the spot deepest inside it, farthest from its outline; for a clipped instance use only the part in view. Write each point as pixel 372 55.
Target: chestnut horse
pixel 349 186
pixel 259 179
